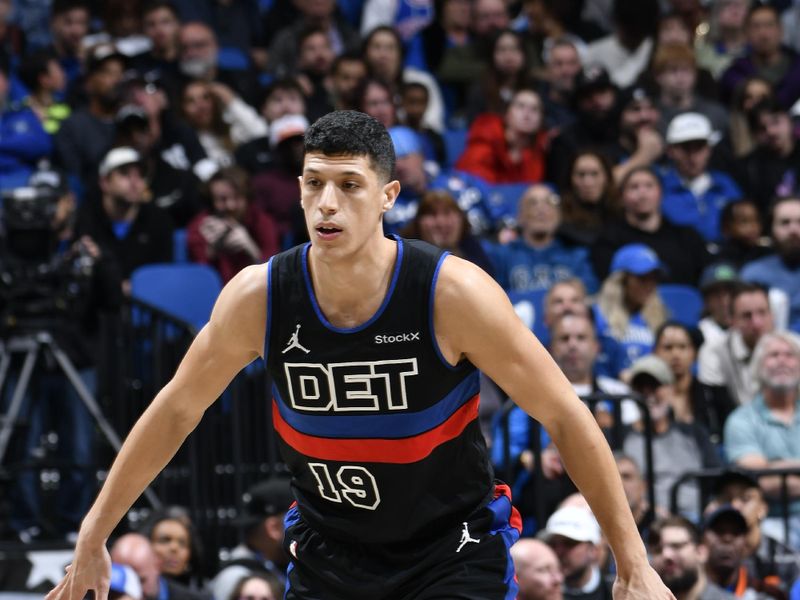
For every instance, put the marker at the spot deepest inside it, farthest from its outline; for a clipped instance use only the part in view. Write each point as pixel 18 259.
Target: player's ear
pixel 390 192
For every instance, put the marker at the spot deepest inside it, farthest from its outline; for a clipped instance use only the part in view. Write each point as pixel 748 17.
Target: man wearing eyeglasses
pixel 538 259
pixel 678 557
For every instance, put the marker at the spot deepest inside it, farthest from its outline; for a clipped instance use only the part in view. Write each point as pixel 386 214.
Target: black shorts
pixel 470 562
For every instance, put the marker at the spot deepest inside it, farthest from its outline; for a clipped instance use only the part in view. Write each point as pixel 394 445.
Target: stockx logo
pixel 396 339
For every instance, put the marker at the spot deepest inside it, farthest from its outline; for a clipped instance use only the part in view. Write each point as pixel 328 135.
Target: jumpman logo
pixel 466 538
pixel 294 342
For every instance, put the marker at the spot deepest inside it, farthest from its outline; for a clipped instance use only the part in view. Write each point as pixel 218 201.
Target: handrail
pixel 535 446
pixel 711 474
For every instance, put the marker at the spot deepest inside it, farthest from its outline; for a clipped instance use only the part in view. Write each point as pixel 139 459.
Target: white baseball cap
pixel 118 157
pixel 689 127
pixel 285 127
pixel 125 581
pixel 573 522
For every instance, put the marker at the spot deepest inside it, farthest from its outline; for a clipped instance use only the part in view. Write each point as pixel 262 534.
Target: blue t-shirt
pixel 682 207
pixel 121 229
pixel 637 340
pixel 773 272
pixel 522 268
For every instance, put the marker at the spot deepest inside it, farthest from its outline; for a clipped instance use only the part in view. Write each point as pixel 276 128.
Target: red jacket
pixel 259 225
pixel 486 154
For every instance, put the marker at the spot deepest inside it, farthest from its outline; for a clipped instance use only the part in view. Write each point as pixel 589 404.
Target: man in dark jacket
pixel 122 221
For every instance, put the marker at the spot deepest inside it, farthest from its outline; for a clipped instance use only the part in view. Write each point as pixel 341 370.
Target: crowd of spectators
pixel 592 155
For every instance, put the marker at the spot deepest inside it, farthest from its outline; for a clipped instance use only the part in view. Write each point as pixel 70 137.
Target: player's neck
pixel 351 289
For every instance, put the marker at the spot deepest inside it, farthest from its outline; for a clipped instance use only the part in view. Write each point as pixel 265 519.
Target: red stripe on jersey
pixel 501 489
pixel 398 451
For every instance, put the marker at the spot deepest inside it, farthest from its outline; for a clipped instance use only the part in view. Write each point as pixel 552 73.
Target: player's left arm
pixel 475 320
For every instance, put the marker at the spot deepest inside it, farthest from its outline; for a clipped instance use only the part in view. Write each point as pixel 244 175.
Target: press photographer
pixel 54 290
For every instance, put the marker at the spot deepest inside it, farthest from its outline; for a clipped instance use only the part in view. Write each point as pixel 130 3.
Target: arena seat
pixel 529 307
pixel 504 199
pixel 186 291
pixel 455 140
pixel 180 250
pixel 232 58
pixel 684 302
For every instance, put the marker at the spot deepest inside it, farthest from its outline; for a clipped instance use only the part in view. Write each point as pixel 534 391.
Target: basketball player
pixel 373 344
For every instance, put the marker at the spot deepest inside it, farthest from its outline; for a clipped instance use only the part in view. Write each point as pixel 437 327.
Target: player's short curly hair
pixel 348 132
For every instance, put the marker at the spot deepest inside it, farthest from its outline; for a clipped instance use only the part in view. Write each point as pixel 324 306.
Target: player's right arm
pixel 233 337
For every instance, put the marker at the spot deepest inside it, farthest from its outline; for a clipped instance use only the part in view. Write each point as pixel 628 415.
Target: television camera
pixel 41 283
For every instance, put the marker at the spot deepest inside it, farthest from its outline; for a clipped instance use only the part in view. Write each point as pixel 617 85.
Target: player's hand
pixel 643 584
pixel 90 571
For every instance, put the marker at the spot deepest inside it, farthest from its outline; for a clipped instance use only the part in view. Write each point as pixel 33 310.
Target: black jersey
pixel 380 433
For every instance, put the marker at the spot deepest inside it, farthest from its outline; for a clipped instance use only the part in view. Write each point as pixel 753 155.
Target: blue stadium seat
pixel 684 302
pixel 351 10
pixel 529 306
pixel 454 142
pixel 180 250
pixel 187 291
pixel 504 198
pixel 232 58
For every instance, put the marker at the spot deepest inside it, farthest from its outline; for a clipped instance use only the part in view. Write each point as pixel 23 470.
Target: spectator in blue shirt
pixel 692 194
pixel 782 268
pixel 765 433
pixel 628 308
pixel 538 259
pixel 23 140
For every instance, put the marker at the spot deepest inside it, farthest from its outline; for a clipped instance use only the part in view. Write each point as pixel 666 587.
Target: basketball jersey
pixel 380 433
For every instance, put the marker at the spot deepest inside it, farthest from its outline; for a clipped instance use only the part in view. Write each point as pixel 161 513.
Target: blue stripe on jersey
pixel 384 304
pixel 269 312
pixel 431 303
pixel 501 509
pixel 388 426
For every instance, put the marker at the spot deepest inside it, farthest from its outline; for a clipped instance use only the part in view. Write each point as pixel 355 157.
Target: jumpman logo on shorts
pixel 294 342
pixel 466 538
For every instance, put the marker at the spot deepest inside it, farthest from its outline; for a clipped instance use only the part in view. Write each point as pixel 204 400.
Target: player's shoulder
pixel 461 282
pixel 247 288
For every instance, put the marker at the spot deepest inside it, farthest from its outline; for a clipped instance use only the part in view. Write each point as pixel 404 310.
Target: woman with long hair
pixel 509 148
pixel 589 198
pixel 222 120
pixel 257 586
pixel 382 51
pixel 507 70
pixel 691 401
pixel 375 98
pixel 748 95
pixel 177 545
pixel 628 309
pixel 441 222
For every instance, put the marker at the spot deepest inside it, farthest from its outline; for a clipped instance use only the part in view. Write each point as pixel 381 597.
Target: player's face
pixel 343 199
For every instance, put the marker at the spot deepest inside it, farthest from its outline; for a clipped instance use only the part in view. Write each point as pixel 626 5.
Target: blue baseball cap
pixel 405 140
pixel 638 259
pixel 125 581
